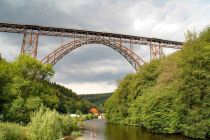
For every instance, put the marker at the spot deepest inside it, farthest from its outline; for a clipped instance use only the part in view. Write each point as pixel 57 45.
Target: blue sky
pixel 95 68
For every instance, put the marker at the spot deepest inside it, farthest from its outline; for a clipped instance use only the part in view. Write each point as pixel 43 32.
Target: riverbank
pixel 45 124
pixel 109 131
pixel 170 95
pixel 73 138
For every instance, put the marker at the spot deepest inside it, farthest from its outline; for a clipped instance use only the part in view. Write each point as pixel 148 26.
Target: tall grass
pixel 45 125
pixel 69 124
pixel 11 131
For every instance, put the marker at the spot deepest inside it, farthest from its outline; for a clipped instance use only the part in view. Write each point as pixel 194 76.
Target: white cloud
pixel 91 87
pixel 84 67
pixel 97 67
pixel 8 50
pixel 171 19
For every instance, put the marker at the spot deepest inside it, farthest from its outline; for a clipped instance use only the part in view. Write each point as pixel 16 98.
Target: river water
pixel 108 131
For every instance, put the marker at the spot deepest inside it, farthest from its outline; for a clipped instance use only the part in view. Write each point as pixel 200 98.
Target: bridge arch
pixel 60 52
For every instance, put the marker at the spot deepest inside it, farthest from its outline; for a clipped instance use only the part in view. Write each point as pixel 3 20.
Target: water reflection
pixel 107 131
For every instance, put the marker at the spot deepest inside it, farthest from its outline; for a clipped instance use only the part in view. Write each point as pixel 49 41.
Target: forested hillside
pixel 97 99
pixel 171 95
pixel 25 87
pixel 69 101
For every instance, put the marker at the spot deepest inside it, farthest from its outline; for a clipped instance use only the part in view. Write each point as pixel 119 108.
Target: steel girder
pixel 31 33
pixel 156 51
pixel 60 52
pixel 30 44
pixel 76 33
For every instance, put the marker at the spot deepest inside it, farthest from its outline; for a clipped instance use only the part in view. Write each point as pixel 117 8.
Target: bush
pixel 171 95
pixel 10 131
pixel 69 124
pixel 25 85
pixel 45 125
pixel 76 134
pixel 89 116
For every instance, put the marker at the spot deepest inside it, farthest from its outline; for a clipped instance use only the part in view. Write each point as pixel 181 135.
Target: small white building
pixel 74 115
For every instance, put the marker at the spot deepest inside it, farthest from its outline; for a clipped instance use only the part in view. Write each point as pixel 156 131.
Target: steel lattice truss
pixel 82 37
pixel 59 53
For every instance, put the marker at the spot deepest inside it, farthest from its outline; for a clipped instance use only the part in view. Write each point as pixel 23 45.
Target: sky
pixel 96 68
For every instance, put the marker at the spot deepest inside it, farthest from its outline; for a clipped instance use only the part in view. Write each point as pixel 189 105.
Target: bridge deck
pixel 64 32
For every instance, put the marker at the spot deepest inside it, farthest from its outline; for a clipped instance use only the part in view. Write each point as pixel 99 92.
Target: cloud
pixel 91 87
pixel 171 19
pixel 96 65
pixel 7 48
pixel 92 63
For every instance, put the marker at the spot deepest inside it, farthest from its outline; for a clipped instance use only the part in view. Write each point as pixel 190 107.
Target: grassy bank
pixel 45 125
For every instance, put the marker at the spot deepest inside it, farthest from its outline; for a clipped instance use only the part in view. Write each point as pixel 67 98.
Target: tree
pixel 171 95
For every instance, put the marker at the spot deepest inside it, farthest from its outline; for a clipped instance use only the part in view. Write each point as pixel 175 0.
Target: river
pixel 108 131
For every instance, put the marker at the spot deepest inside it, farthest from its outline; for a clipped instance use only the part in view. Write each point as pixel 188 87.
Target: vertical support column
pixel 156 51
pixel 131 44
pixel 120 42
pixel 62 41
pixel 131 47
pixel 75 39
pixel 48 59
pixel 30 44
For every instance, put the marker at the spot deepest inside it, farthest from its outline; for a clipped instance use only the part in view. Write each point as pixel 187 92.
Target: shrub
pixel 10 131
pixel 170 95
pixel 76 133
pixel 89 116
pixel 69 124
pixel 2 133
pixel 45 125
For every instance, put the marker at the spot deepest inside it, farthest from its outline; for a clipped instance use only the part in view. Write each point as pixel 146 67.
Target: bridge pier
pixel 116 41
pixel 156 51
pixel 30 44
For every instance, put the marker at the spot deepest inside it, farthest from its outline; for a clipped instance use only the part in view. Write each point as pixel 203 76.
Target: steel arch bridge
pixel 115 41
pixel 59 53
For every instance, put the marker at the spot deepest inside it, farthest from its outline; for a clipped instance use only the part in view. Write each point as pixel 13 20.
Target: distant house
pixel 94 111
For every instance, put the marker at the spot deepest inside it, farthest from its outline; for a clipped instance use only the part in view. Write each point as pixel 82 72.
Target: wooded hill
pixel 25 87
pixel 97 100
pixel 171 95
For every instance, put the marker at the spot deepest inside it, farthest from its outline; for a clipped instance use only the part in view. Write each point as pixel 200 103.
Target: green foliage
pixel 45 125
pixel 171 95
pixel 49 125
pixel 196 86
pixel 76 134
pixel 156 110
pixel 24 87
pixel 31 68
pixel 10 131
pixel 4 80
pixel 89 116
pixel 69 101
pixel 97 100
pixel 129 89
pixel 69 124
